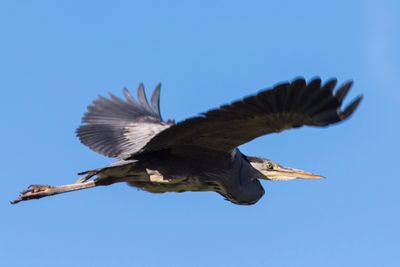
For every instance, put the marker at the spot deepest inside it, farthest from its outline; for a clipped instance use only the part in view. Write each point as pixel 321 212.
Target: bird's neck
pixel 247 193
pixel 246 189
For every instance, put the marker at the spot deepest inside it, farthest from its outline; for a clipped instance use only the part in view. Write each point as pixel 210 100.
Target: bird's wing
pixel 118 128
pixel 285 106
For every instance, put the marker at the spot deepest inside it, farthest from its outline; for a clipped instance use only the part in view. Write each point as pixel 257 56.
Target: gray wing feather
pixel 287 105
pixel 117 128
pixel 155 99
pixel 143 99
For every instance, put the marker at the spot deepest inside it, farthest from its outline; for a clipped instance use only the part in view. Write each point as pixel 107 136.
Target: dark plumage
pixel 285 106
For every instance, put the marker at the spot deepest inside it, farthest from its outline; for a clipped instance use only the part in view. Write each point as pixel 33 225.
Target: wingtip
pixel 111 95
pixel 350 108
pixel 343 90
pixel 156 92
pixel 140 90
pixel 155 99
pixel 298 79
pixel 127 94
pixel 315 82
pixel 125 91
pixel 330 84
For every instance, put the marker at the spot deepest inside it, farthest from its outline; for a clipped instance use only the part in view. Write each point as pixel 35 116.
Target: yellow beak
pixel 290 172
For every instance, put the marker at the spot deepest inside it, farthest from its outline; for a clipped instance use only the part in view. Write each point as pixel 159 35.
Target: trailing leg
pixel 39 191
pixel 122 171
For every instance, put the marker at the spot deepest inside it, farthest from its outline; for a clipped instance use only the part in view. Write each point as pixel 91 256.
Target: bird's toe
pixel 33 192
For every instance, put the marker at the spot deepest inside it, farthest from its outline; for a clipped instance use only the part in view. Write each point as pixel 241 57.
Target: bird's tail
pixel 122 168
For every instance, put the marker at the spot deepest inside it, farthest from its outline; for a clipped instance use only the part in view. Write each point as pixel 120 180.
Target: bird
pixel 200 153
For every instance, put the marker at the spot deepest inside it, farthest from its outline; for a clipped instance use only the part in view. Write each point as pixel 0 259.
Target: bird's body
pixel 200 153
pixel 230 175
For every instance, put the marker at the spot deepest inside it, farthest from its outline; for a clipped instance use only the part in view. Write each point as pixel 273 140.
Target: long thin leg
pixel 39 191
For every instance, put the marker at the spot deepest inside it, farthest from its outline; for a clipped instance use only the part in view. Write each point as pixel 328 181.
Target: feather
pixel 117 128
pixel 285 106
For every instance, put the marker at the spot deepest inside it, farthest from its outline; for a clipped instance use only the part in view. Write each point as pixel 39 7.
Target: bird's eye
pixel 269 165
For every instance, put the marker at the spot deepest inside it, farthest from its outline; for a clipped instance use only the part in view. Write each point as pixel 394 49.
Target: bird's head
pixel 274 171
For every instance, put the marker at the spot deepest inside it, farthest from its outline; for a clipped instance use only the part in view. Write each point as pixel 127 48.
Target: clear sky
pixel 57 56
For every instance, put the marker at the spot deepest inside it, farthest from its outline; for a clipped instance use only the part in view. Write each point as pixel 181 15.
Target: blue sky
pixel 57 56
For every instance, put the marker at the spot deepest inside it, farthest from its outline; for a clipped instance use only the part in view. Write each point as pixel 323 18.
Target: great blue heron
pixel 200 153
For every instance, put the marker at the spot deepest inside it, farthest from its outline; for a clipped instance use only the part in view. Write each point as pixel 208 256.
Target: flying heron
pixel 199 153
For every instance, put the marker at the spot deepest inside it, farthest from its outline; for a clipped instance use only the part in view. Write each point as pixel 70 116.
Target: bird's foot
pixel 33 192
pixel 87 177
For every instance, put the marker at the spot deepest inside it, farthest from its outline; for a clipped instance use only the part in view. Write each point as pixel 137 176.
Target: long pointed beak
pixel 295 173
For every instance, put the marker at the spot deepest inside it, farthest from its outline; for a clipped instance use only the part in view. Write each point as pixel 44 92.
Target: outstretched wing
pixel 285 106
pixel 117 128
